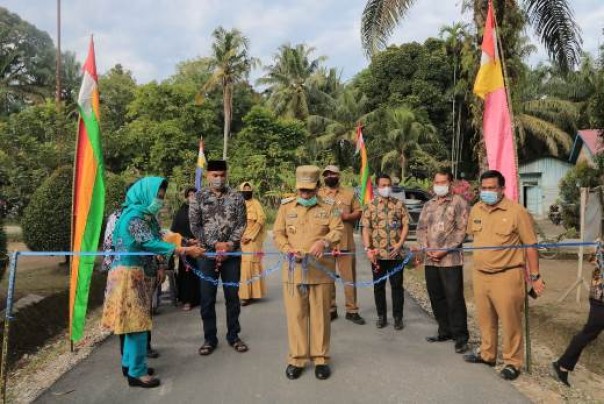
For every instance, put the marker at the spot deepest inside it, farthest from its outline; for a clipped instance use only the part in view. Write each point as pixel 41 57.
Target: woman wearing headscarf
pixel 252 242
pixel 188 282
pixel 127 299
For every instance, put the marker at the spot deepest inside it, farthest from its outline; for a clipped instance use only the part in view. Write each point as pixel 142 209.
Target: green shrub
pixel 115 192
pixel 582 175
pixel 46 220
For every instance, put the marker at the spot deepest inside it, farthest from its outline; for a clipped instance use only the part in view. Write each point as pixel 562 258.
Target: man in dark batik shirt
pixel 218 218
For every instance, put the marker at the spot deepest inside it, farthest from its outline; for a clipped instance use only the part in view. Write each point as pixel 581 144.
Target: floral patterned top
pixel 385 217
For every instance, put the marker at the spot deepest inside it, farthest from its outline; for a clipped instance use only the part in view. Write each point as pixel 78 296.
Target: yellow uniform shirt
pixel 506 223
pixel 343 200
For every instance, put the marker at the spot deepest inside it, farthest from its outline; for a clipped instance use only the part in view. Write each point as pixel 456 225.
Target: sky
pixel 149 37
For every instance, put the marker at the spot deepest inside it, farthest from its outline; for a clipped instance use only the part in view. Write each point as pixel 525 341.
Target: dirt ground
pixel 552 323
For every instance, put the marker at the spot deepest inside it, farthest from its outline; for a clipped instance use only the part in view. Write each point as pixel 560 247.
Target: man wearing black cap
pixel 218 218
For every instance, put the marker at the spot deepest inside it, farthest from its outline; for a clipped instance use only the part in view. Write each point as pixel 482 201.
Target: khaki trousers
pixel 348 273
pixel 308 323
pixel 500 297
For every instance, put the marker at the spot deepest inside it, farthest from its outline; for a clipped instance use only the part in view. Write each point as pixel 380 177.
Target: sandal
pixel 509 372
pixel 239 346
pixel 206 349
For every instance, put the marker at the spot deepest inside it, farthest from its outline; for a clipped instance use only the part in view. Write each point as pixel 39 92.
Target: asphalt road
pixel 369 365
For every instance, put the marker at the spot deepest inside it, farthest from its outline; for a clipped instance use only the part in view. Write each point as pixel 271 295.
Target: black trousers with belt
pixel 229 271
pixel 591 330
pixel 396 286
pixel 445 288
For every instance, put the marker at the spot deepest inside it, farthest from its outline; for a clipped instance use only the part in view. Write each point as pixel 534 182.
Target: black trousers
pixel 591 330
pixel 396 286
pixel 445 288
pixel 230 271
pixel 188 283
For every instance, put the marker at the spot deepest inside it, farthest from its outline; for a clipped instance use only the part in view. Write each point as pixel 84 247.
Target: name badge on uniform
pixel 477 221
pixel 291 215
pixel 321 215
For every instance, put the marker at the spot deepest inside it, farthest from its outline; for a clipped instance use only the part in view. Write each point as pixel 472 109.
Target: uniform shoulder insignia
pixel 287 200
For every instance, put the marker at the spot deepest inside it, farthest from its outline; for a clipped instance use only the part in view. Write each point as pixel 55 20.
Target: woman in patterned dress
pixel 127 300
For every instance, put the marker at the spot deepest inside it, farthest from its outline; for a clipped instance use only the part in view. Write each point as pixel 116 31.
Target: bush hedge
pixel 46 222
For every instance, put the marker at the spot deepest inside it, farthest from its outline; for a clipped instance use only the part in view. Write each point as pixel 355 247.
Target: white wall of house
pixel 539 183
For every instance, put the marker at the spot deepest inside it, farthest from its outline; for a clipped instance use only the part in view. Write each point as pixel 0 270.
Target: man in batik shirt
pixel 442 229
pixel 218 218
pixel 385 227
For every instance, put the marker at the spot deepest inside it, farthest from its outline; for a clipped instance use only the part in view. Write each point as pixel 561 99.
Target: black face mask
pixel 247 195
pixel 331 182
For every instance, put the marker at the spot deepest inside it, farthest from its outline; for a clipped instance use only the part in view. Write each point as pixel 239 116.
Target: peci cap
pixel 216 165
pixel 331 168
pixel 307 177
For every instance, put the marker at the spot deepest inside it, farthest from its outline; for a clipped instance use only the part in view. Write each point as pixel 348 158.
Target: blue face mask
pixel 489 197
pixel 308 202
pixel 155 206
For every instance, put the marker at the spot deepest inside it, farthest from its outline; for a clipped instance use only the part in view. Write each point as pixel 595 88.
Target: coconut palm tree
pixel 407 137
pixel 293 79
pixel 231 64
pixel 337 130
pixel 552 20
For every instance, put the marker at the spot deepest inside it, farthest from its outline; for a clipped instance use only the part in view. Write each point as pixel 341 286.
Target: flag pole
pixel 506 81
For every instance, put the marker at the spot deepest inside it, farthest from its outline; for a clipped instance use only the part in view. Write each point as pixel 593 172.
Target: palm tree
pixel 231 64
pixel 545 121
pixel 407 137
pixel 552 20
pixel 337 130
pixel 293 80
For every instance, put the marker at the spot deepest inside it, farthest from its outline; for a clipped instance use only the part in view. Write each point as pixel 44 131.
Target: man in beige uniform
pixel 348 207
pixel 498 275
pixel 304 228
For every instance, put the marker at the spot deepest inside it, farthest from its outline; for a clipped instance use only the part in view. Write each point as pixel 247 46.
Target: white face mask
pixel 440 190
pixel 385 192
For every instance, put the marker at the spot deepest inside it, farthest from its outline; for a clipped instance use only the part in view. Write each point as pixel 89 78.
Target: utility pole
pixel 58 67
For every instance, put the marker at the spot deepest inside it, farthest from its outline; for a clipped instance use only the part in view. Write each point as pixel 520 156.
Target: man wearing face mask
pixel 385 227
pixel 306 227
pixel 442 225
pixel 499 275
pixel 218 218
pixel 346 205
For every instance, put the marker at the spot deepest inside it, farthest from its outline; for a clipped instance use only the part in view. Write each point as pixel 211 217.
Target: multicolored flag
pixel 88 196
pixel 497 123
pixel 366 193
pixel 201 164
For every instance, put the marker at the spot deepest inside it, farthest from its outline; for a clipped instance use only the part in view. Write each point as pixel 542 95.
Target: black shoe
pixel 381 322
pixel 293 372
pixel 461 347
pixel 559 374
pixel 475 357
pixel 136 382
pixel 355 318
pixel 322 372
pixel 509 372
pixel 439 338
pixel 152 353
pixel 398 324
pixel 150 371
pixel 334 315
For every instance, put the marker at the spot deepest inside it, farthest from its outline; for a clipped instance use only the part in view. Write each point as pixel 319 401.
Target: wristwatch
pixel 535 277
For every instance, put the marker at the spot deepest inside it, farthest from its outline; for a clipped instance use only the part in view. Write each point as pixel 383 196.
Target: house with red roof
pixel 587 145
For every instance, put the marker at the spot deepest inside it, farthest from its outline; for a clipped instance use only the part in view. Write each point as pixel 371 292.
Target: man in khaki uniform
pixel 348 207
pixel 304 228
pixel 499 275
